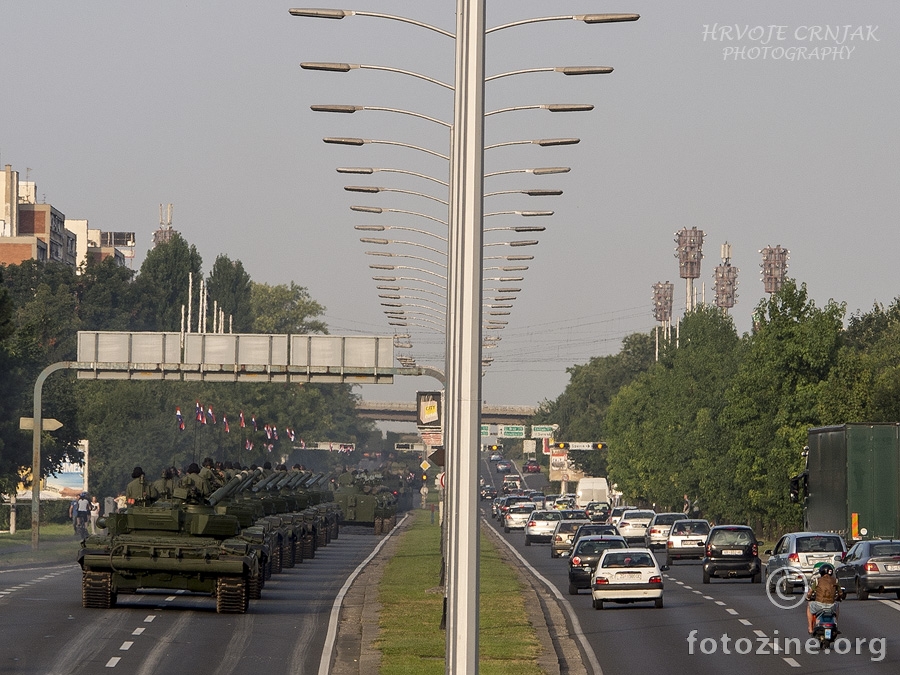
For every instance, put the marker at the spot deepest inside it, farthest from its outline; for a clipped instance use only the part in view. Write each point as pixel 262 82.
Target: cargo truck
pixel 851 485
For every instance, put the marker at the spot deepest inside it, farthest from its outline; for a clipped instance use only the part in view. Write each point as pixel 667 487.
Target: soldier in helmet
pixel 139 491
pixel 165 484
pixel 194 479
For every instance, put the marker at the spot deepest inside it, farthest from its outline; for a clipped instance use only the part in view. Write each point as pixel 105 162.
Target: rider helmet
pixel 826 568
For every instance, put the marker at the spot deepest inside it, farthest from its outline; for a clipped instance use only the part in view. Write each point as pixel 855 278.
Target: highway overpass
pixel 385 411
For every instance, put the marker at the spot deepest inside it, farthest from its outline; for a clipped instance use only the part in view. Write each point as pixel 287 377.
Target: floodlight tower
pixel 662 310
pixel 774 267
pixel 689 253
pixel 726 281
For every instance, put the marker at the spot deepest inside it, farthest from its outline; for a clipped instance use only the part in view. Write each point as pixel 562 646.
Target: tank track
pixel 254 587
pixel 287 553
pixel 298 550
pixel 231 595
pixel 309 546
pixel 96 590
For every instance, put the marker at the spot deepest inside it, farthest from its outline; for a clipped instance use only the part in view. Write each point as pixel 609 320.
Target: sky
pixel 750 121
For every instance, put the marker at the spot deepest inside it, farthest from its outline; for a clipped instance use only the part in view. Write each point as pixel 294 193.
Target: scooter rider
pixel 824 593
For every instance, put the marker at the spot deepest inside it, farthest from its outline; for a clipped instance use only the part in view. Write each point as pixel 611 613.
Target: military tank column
pixel 226 543
pixel 363 499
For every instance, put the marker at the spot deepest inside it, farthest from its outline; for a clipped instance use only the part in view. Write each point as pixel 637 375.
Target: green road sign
pixel 485 429
pixel 510 431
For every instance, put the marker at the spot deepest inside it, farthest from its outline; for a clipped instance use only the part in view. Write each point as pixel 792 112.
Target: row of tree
pixel 723 418
pixel 44 305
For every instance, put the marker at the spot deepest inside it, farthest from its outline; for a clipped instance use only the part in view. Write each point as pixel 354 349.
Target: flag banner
pixel 275 433
pixel 210 415
pixel 198 412
pixel 290 433
pixel 225 422
pixel 253 422
pixel 179 418
pixel 242 420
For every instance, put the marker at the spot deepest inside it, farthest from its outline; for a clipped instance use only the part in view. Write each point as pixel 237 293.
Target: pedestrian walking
pixel 95 513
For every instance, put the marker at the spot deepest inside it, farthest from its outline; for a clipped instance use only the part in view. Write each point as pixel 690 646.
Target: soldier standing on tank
pixel 138 491
pixel 207 472
pixel 194 479
pixel 165 484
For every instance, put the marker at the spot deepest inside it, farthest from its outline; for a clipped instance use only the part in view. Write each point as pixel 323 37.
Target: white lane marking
pixel 759 633
pixel 331 635
pixel 690 588
pixel 577 630
pixel 4 592
pixel 707 597
pixel 720 603
pixel 699 592
pixel 791 662
pixel 891 604
pixel 125 646
pixel 113 661
pixel 150 618
pixel 137 631
pixel 170 598
pixel 680 583
pixel 733 612
pixel 746 622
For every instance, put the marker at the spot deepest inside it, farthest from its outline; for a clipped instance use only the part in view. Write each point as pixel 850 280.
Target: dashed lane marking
pixel 746 622
pixel 759 633
pixel 150 618
pixel 707 597
pixel 792 663
pixel 137 631
pixel 892 604
pixel 113 662
pixel 125 646
pixel 733 612
pixel 720 603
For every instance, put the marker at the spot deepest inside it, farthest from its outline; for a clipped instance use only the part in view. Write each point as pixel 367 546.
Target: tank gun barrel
pixel 265 482
pixel 224 491
pixel 248 477
pixel 286 478
pixel 297 479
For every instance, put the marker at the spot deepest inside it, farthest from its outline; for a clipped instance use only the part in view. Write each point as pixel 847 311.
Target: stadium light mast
pixel 774 267
pixel 689 253
pixel 726 281
pixel 663 294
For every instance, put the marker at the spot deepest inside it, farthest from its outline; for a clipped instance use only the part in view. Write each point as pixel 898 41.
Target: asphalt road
pixel 638 638
pixel 45 630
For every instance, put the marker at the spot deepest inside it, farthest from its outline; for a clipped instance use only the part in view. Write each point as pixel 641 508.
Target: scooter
pixel 826 630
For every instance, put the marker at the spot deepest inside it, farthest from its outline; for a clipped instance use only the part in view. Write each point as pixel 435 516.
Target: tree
pixel 229 285
pixel 285 309
pixel 773 401
pixel 161 287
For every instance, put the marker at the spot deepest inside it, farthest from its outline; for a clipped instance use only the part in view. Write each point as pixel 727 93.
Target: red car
pixel 531 467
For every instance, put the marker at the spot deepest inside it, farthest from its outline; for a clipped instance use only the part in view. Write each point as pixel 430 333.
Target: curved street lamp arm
pixel 378 209
pixel 346 67
pixel 341 13
pixel 338 140
pixel 365 170
pixel 382 228
pixel 337 108
pixel 374 190
pixel 565 70
pixel 587 18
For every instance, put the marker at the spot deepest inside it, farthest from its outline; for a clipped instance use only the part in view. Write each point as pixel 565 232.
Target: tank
pixel 364 501
pixel 173 545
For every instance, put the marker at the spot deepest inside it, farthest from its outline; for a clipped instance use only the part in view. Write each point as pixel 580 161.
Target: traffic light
pixel 561 446
pixel 580 446
pixel 497 447
pixel 424 477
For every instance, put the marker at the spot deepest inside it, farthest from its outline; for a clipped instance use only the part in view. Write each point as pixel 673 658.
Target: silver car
pixel 658 529
pixel 517 516
pixel 687 540
pixel 791 562
pixel 540 525
pixel 633 525
pixel 562 536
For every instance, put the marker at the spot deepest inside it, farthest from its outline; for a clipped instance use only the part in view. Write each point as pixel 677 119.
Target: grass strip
pixel 57 544
pixel 411 640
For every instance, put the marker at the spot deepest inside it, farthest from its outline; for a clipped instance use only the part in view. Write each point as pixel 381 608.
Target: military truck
pixel 851 485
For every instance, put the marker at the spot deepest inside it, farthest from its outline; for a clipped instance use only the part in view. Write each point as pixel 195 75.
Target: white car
pixel 633 525
pixel 627 575
pixel 540 525
pixel 517 516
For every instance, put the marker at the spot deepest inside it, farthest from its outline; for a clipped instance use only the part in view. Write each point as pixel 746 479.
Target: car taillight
pixel 509 516
pixel 871 567
pixel 709 550
pixel 576 561
pixel 793 557
pixel 624 525
pixel 532 523
pixel 656 580
pixel 599 581
pixel 754 550
pixel 655 530
pixel 557 538
pixel 670 544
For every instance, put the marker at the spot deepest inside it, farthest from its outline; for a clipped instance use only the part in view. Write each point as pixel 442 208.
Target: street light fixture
pixel 371 189
pixel 342 140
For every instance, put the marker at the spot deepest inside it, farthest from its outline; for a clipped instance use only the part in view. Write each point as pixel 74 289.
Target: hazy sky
pixel 758 136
